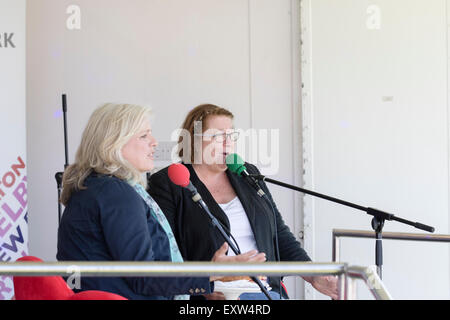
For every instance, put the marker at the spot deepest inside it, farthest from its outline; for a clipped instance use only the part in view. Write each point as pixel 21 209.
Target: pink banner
pixel 13 175
pixel 13 219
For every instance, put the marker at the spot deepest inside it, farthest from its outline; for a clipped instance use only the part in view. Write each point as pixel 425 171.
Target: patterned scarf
pixel 161 218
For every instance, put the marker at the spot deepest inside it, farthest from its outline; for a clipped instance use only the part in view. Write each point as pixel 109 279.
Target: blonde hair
pixel 109 128
pixel 198 114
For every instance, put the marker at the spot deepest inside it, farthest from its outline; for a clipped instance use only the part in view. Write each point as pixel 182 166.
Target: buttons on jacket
pixel 197 290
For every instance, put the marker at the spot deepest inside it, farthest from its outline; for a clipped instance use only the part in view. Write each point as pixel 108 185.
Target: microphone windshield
pixel 235 163
pixel 179 174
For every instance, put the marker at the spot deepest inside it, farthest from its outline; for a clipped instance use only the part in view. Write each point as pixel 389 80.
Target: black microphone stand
pixel 59 175
pixel 236 251
pixel 379 217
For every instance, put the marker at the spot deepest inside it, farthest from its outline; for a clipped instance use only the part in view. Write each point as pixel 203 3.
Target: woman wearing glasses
pixel 208 136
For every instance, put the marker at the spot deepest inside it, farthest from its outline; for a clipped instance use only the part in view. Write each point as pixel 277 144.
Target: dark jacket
pixel 109 221
pixel 198 239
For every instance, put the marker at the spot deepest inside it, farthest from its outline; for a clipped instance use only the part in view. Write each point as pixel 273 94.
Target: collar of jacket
pixel 243 191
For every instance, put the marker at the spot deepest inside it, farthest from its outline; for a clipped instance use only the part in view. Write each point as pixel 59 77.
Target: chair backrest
pixel 40 288
pixel 53 288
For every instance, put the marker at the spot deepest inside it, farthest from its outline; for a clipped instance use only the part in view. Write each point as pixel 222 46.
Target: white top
pixel 239 226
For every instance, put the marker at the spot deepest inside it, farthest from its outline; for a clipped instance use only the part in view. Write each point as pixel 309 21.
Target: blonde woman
pixel 108 214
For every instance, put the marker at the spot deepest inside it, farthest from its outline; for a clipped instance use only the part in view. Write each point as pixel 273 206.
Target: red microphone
pixel 179 175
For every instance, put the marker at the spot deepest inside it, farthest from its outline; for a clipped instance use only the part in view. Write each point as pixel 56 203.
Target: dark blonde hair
pixel 197 115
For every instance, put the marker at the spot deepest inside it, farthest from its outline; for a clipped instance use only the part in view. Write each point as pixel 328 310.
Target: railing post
pixel 342 280
pixel 342 284
pixel 351 288
pixel 336 245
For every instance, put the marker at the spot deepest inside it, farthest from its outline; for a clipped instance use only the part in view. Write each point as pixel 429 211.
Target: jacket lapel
pixel 244 193
pixel 215 209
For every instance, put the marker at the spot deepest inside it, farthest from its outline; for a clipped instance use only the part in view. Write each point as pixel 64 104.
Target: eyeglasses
pixel 221 137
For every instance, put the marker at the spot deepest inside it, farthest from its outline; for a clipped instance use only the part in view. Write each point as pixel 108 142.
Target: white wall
pixel 172 55
pixel 376 132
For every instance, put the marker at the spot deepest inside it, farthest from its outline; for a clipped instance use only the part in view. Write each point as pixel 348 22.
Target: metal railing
pixel 200 269
pixel 369 272
pixel 340 233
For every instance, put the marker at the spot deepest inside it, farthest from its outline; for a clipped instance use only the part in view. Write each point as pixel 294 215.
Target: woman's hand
pixel 251 256
pixel 328 285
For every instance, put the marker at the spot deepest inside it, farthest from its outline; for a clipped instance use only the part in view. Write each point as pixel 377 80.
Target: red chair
pixel 53 288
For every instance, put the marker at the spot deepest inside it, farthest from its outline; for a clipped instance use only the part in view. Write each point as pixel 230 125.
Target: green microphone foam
pixel 235 163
